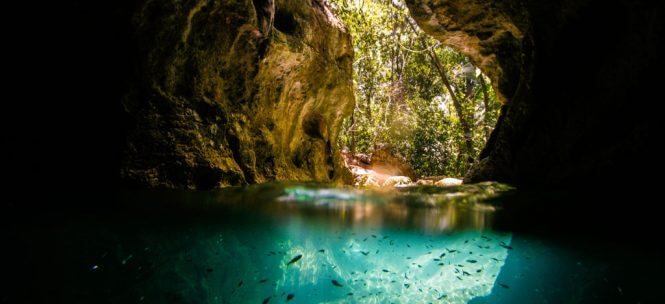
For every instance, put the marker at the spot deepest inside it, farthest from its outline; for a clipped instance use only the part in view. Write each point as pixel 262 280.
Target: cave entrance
pixel 423 110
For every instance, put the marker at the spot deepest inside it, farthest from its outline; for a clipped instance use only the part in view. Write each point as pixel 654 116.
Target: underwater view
pixel 309 243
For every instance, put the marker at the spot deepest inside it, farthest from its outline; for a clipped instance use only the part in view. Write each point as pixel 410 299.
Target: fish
pixel 377 252
pixel 458 278
pixel 466 273
pixel 290 296
pixel 365 252
pixel 471 261
pixel 365 239
pixel 385 237
pixel 240 283
pixel 437 260
pixel 440 264
pixel 349 294
pixel 374 236
pixel 479 270
pixel 420 266
pixel 322 250
pixel 266 300
pixel 496 259
pixel 392 242
pixel 504 285
pixel 442 255
pixel 386 270
pixel 209 270
pixel 407 286
pixel 263 280
pixel 407 245
pixel 466 241
pixel 484 237
pixel 451 250
pixel 506 246
pixel 334 282
pixel 294 259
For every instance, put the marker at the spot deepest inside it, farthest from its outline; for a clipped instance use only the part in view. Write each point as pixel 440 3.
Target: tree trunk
pixel 486 103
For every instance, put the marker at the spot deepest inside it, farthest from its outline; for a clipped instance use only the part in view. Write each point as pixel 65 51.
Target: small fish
pixel 420 266
pixel 240 283
pixel 442 296
pixel 440 264
pixel 365 252
pixel 374 236
pixel 407 245
pixel 506 246
pixel 466 273
pixel 294 259
pixel 349 294
pixel 437 260
pixel 365 239
pixel 408 258
pixel 263 280
pixel 460 265
pixel 266 300
pixel 334 282
pixel 209 270
pixel 504 286
pixel 290 296
pixel 466 241
pixel 484 237
pixel 479 270
pixel 451 250
pixel 442 255
pixel 392 242
pixel 496 259
pixel 407 285
pixel 471 261
pixel 385 237
pixel 322 250
pixel 458 278
pixel 386 270
pixel 377 252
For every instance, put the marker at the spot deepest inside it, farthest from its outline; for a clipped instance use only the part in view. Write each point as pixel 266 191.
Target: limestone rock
pixel 397 181
pixel 449 181
pixel 572 75
pixel 235 92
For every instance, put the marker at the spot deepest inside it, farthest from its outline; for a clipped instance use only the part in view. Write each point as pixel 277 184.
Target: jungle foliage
pixel 425 100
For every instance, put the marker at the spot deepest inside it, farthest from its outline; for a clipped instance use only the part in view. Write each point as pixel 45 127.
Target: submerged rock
pixel 235 92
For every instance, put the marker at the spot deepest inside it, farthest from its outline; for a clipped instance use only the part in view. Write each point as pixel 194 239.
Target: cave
pixel 189 151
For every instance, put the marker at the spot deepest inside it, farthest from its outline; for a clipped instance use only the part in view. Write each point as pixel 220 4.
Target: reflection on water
pixel 425 208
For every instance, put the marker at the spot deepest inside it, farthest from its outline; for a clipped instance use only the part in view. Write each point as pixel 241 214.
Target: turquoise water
pixel 293 243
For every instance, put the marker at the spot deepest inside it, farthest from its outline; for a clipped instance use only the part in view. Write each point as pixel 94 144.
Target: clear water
pixel 240 245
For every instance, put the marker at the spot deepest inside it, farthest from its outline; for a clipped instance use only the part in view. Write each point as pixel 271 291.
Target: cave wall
pixel 227 92
pixel 578 80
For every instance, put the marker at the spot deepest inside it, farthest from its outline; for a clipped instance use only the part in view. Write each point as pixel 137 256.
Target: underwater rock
pixel 230 93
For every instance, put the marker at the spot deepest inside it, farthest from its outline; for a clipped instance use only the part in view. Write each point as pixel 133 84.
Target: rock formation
pixel 235 92
pixel 576 78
